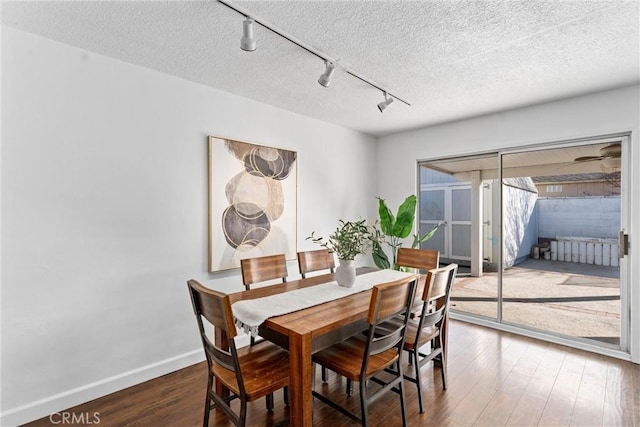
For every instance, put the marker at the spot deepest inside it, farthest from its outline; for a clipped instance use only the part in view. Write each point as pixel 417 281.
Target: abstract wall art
pixel 252 202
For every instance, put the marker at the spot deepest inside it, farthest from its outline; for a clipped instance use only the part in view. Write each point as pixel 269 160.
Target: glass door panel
pixel 451 191
pixel 561 217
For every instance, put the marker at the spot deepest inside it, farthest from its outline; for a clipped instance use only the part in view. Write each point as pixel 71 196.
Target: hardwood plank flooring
pixel 495 379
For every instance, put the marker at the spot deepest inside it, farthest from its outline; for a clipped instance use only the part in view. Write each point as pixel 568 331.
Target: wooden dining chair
pixel 250 373
pixel 261 269
pixel 310 261
pixel 427 328
pixel 422 260
pixel 363 357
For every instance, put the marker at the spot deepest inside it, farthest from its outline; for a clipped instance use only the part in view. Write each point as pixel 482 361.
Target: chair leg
pixel 324 374
pixel 242 420
pixel 444 377
pixel 349 387
pixel 285 395
pixel 363 403
pixel 207 402
pixel 252 341
pixel 269 401
pixel 443 367
pixel 401 387
pixel 410 358
pixel 418 382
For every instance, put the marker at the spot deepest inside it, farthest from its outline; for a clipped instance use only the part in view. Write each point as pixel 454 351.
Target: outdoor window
pixel 554 188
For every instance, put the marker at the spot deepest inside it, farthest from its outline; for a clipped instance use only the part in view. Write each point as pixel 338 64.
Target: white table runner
pixel 249 314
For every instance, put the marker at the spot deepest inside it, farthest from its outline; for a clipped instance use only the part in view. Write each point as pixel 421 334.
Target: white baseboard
pixel 70 398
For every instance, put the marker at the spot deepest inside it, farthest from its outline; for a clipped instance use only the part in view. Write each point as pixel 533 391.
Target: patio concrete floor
pixel 579 300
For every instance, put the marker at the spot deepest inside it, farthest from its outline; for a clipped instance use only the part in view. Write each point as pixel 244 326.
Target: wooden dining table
pixel 305 332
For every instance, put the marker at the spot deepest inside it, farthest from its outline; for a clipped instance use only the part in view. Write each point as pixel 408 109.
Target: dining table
pixel 306 331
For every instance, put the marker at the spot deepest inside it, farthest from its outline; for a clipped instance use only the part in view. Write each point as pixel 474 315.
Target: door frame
pixel 628 298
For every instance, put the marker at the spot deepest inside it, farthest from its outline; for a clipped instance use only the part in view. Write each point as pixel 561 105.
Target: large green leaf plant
pixel 392 230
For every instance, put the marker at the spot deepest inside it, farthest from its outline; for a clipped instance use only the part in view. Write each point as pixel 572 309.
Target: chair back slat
pixel 309 261
pixel 433 318
pixel 437 284
pixel 213 306
pixel 421 259
pixel 264 268
pixel 388 300
pixel 387 340
pixel 222 357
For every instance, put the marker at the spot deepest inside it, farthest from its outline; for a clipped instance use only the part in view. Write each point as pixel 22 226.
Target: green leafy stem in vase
pixel 351 238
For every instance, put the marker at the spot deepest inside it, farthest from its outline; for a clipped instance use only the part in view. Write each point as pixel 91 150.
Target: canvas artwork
pixel 252 202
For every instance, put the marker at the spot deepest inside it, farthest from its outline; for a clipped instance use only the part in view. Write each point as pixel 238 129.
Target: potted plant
pixel 393 229
pixel 351 238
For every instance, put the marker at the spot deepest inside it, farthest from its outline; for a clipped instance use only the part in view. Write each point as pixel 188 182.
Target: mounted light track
pixel 248 43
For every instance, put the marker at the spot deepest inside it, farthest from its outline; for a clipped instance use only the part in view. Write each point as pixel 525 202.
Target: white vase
pixel 345 273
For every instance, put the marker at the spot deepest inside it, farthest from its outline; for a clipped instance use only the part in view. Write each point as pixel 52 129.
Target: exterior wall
pixel 578 189
pixel 597 217
pixel 520 224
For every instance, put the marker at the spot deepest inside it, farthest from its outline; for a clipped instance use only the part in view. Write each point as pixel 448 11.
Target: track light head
pixel 384 104
pixel 325 78
pixel 247 42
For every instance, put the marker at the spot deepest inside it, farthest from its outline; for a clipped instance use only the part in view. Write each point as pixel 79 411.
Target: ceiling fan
pixel 609 156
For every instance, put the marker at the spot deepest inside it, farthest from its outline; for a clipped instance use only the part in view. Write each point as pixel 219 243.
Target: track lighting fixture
pixel 325 78
pixel 384 104
pixel 247 42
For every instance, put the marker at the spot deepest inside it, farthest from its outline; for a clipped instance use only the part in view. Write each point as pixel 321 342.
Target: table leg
pixel 300 381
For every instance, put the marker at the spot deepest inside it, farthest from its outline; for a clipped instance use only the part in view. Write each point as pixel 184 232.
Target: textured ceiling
pixel 449 59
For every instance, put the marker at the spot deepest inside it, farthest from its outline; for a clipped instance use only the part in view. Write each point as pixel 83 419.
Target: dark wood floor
pixel 495 379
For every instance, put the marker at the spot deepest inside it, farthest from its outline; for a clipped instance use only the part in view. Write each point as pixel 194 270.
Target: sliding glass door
pixel 536 234
pixel 561 219
pixel 460 197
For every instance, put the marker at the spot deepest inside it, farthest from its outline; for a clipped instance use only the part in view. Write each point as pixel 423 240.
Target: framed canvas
pixel 252 202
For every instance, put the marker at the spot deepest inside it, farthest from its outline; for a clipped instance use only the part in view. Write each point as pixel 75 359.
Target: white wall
pixel 104 215
pixel 520 224
pixel 586 116
pixel 587 216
